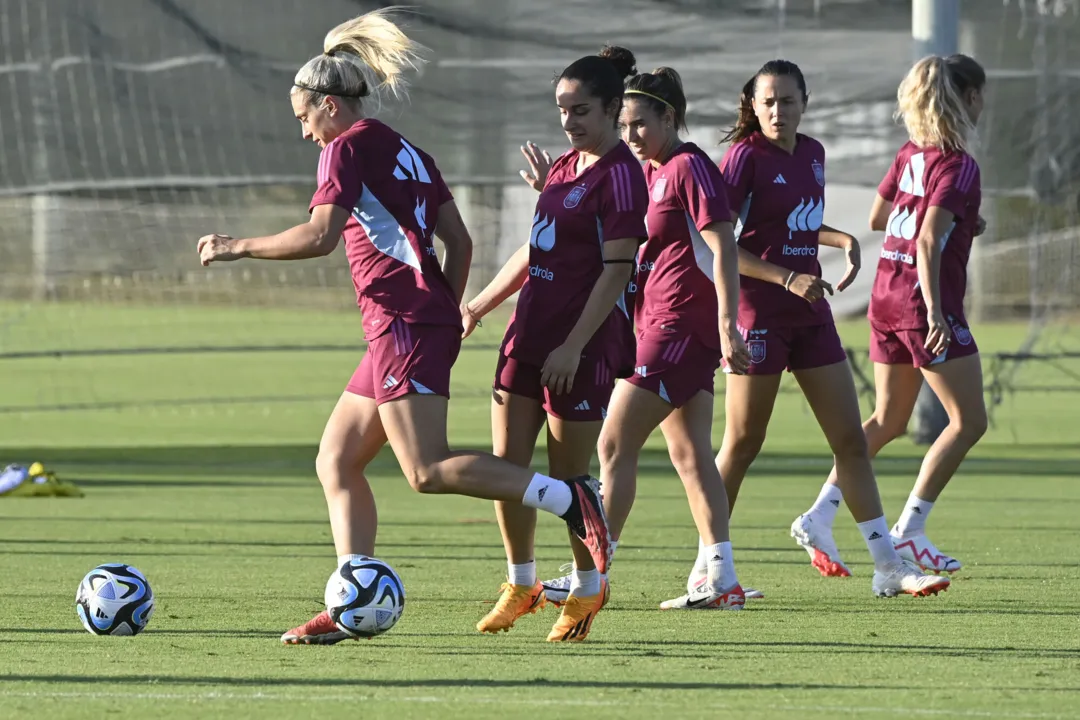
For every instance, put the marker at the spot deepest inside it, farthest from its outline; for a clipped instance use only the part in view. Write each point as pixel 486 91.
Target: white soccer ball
pixel 365 597
pixel 114 599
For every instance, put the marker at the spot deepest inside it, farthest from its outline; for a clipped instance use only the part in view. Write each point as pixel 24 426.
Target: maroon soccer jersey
pixel 393 191
pixel 675 290
pixel 919 179
pixel 780 198
pixel 575 216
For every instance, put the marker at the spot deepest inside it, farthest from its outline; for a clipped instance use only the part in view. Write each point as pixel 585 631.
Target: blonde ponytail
pixel 930 101
pixel 366 57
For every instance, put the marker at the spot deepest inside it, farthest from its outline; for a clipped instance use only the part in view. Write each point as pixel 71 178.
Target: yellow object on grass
pixel 35 481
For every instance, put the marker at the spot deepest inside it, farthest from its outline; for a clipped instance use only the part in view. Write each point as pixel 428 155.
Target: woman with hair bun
pixel 388 199
pixel 570 336
pixel 686 295
pixel 928 206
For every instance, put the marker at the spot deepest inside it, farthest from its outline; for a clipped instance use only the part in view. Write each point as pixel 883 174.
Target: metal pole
pixel 934 27
pixel 935 30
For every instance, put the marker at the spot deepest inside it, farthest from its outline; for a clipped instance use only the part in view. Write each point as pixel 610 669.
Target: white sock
pixel 342 559
pixel 721 567
pixel 827 503
pixel 523 574
pixel 614 544
pixel 585 583
pixel 876 534
pixel 913 520
pixel 701 564
pixel 548 494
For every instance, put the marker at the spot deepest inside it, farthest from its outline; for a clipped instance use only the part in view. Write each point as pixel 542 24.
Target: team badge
pixel 819 173
pixel 961 333
pixel 757 351
pixel 658 189
pixel 573 199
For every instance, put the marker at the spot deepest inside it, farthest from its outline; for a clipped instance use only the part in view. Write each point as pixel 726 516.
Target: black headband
pixel 330 91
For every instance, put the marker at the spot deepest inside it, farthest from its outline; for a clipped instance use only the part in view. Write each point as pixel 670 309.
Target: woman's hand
pixel 220 248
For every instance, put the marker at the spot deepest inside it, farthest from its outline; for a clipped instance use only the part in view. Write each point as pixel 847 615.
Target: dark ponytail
pixel 661 89
pixel 747 123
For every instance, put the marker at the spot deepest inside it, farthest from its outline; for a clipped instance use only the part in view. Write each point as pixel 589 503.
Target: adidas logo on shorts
pixel 391 381
pixel 779 180
pixel 582 406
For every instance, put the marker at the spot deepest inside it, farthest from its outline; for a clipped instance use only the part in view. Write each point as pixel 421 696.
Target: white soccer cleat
pixel 705 599
pixel 920 552
pixel 902 579
pixel 698 579
pixel 817 540
pixel 557 589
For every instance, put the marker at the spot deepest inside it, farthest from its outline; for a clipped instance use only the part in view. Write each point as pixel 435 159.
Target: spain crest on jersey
pixel 961 333
pixel 658 189
pixel 757 351
pixel 819 173
pixel 573 198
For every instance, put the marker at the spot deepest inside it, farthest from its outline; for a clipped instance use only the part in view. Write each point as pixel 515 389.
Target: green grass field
pixel 198 470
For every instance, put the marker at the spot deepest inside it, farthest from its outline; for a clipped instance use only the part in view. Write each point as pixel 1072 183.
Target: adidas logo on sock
pixel 836 503
pixel 583 405
pixel 540 495
pixel 779 180
pixel 916 509
pixel 875 535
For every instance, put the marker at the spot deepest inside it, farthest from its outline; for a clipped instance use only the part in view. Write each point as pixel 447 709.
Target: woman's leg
pixel 958 384
pixel 748 403
pixel 830 391
pixel 897 387
pixel 688 432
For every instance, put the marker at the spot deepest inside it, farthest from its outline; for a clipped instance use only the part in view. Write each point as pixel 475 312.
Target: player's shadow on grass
pixel 151 631
pixel 458 683
pixel 130 538
pixel 257 464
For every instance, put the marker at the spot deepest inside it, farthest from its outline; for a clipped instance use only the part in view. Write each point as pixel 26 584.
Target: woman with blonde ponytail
pixel 928 206
pixel 388 199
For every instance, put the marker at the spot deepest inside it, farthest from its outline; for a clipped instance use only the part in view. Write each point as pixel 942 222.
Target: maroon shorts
pixel 407 359
pixel 587 402
pixel 906 347
pixel 676 369
pixel 774 350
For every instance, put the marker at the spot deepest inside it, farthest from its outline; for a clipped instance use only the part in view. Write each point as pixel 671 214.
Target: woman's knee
pixel 891 424
pixel 743 444
pixel 850 443
pixel 426 478
pixel 971 425
pixel 613 450
pixel 688 459
pixel 332 466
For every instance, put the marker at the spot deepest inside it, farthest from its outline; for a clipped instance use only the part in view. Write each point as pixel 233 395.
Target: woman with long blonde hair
pixel 388 199
pixel 928 206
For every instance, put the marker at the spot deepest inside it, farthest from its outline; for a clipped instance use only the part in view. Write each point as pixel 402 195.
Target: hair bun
pixel 623 60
